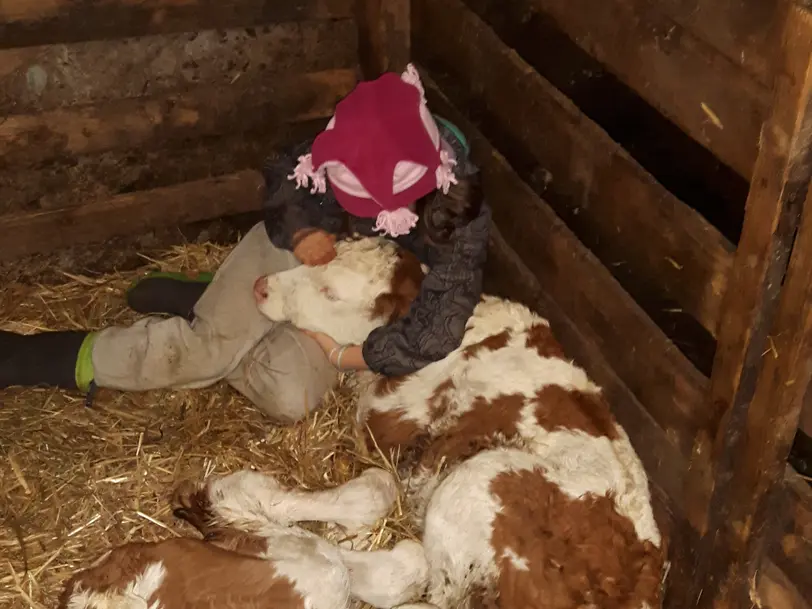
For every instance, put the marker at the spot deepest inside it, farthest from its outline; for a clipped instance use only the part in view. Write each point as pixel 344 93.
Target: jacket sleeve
pixel 288 210
pixel 435 324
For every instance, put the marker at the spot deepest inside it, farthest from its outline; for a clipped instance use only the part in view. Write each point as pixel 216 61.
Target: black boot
pixel 800 455
pixel 168 293
pixel 53 359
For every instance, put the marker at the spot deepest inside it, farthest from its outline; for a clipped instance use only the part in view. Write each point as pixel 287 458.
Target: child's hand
pixel 319 247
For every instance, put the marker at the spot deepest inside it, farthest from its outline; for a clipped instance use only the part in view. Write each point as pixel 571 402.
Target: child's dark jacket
pixel 435 324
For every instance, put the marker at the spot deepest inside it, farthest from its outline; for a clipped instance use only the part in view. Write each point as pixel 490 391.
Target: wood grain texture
pixel 719 104
pixel 650 365
pixel 32 233
pixel 152 122
pixel 605 197
pixel 766 344
pixel 791 548
pixel 37 79
pixel 384 28
pixel 39 22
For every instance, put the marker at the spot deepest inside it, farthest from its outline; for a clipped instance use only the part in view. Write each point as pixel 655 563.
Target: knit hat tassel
pixel 304 171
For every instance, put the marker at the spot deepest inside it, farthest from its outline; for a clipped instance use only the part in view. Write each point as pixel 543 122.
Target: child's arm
pixel 436 322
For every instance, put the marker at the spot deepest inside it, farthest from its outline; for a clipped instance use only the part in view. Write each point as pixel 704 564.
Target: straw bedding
pixel 75 481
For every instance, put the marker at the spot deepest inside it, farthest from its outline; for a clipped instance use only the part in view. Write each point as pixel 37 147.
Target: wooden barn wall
pixel 576 201
pixel 100 101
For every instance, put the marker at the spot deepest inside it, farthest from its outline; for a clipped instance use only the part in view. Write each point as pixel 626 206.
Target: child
pixel 388 163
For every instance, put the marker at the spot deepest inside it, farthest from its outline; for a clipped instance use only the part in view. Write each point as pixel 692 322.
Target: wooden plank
pixel 773 207
pixel 605 197
pixel 384 30
pixel 94 177
pixel 769 388
pixel 36 79
pixel 648 363
pixel 717 103
pixel 747 32
pixel 791 550
pixel 34 22
pixel 776 591
pixel 27 139
pixel 32 233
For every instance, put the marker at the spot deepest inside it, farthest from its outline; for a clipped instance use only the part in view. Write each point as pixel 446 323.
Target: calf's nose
pixel 261 289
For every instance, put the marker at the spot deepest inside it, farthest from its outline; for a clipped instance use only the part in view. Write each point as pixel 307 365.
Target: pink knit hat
pixel 381 152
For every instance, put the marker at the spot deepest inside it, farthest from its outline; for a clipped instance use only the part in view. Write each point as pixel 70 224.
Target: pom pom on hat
pixel 381 152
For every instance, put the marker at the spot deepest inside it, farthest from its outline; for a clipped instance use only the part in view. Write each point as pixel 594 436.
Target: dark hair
pixel 441 214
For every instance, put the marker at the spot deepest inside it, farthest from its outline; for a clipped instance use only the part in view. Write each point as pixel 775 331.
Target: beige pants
pixel 278 368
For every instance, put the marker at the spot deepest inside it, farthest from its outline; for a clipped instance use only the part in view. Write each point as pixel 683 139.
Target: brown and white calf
pixel 260 559
pixel 528 491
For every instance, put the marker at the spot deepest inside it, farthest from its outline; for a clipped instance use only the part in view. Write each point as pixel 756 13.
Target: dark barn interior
pixel 648 163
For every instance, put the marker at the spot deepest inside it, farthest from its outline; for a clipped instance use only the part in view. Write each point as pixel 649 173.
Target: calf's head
pixel 370 282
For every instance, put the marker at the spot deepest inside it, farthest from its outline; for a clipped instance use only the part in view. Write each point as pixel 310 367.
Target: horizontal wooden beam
pixel 34 22
pixel 98 177
pixel 36 79
pixel 29 139
pixel 716 102
pixel 603 194
pixel 33 233
pixel 652 367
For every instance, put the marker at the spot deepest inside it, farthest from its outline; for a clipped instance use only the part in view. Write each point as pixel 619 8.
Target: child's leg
pixel 285 375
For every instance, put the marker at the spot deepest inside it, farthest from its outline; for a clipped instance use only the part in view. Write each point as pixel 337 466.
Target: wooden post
pixel 762 367
pixel 384 36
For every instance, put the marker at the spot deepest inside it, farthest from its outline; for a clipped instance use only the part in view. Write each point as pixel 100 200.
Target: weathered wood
pixel 605 197
pixel 791 550
pixel 778 188
pixel 384 30
pixel 776 591
pixel 688 81
pixel 152 122
pixel 748 32
pixel 34 22
pixel 89 178
pixel 36 79
pixel 762 416
pixel 31 233
pixel 648 363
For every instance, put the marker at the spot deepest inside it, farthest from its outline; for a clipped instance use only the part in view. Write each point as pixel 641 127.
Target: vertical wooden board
pixel 791 546
pixel 384 28
pixel 716 102
pixel 761 388
pixel 35 79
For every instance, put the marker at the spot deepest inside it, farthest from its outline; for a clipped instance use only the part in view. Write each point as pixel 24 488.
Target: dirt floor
pixel 75 481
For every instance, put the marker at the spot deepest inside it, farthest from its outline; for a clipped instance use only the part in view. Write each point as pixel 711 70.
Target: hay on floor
pixel 75 481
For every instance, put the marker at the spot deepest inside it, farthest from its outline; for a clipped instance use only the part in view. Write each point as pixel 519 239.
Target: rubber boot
pixel 51 359
pixel 173 294
pixel 800 455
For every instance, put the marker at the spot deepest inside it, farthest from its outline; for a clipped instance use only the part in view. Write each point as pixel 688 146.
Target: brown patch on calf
pixel 197 575
pixel 540 337
pixel 491 343
pixel 391 429
pixel 557 407
pixel 190 502
pixel 577 553
pixel 386 385
pixel 439 401
pixel 486 425
pixel 404 288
